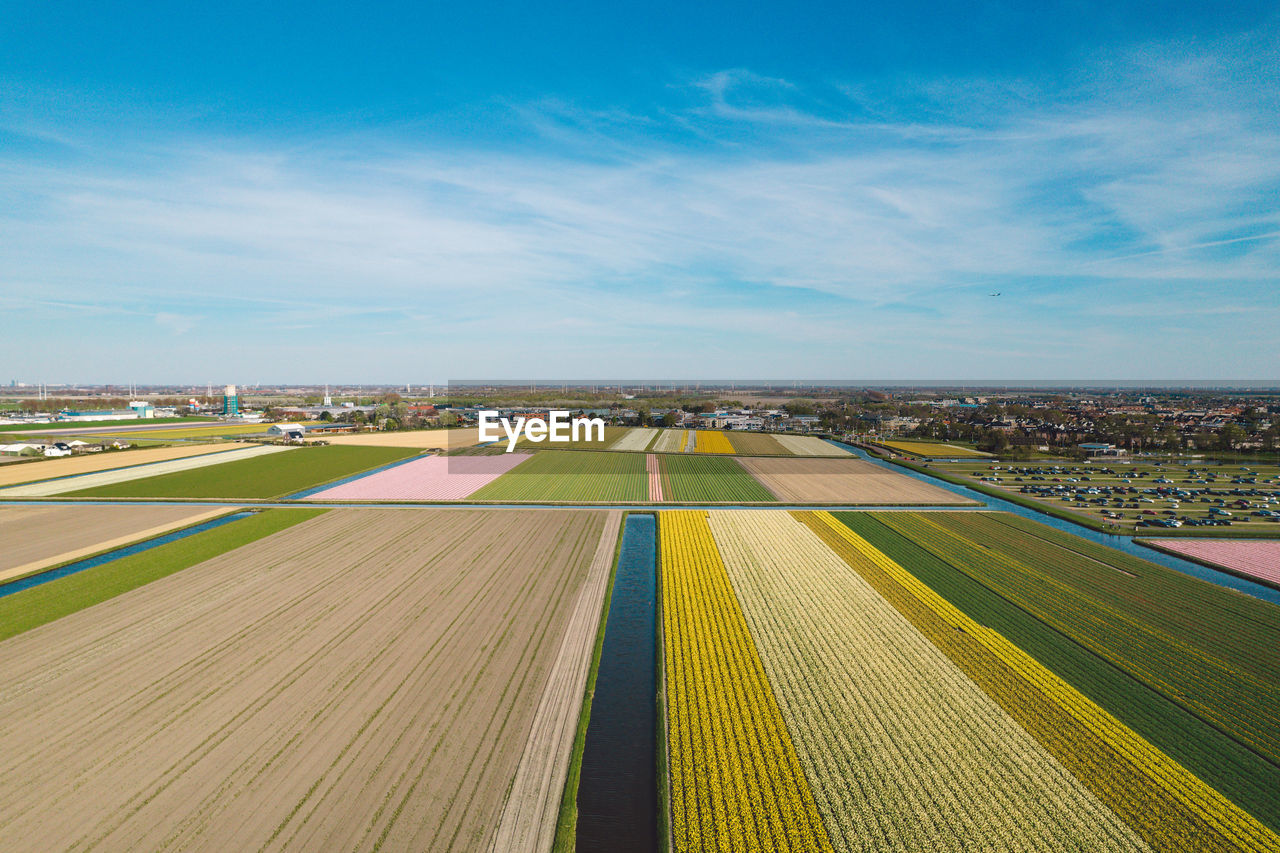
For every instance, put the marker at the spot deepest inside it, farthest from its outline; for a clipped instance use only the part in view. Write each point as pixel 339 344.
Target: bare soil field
pixel 137 472
pixel 322 688
pixel 71 465
pixel 528 822
pixel 809 445
pixel 427 439
pixel 850 481
pixel 35 537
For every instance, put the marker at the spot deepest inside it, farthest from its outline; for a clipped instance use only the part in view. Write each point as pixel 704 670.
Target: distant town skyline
pixel 308 192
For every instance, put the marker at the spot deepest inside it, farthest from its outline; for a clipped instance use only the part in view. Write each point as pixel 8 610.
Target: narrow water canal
pixel 127 551
pixel 618 791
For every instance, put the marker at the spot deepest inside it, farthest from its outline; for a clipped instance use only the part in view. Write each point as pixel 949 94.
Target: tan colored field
pixel 47 488
pixel 105 461
pixel 528 822
pixel 319 689
pixel 426 439
pixel 850 481
pixel 809 445
pixel 36 537
pixel 932 448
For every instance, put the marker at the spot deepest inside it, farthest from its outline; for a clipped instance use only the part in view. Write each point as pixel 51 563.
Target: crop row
pixel 260 477
pixel 902 749
pixel 1155 592
pixel 1257 558
pixel 736 782
pixel 1166 803
pixel 572 475
pixel 696 478
pixel 428 478
pixel 634 439
pixel 1224 763
pixel 654 471
pixel 1207 673
pixel 669 441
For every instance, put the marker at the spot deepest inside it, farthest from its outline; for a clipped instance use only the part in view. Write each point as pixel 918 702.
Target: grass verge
pixel 39 605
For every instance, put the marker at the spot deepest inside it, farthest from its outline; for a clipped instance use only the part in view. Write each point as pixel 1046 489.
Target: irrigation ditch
pixel 618 787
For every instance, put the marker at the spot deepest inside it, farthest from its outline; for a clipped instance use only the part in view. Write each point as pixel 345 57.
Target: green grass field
pixel 572 475
pixel 1120 630
pixel 32 607
pixel 272 476
pixel 690 477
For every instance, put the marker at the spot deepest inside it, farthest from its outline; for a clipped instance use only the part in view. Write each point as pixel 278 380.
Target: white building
pixel 291 431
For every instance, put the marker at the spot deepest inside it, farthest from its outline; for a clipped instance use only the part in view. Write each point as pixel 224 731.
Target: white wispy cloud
pixel 758 208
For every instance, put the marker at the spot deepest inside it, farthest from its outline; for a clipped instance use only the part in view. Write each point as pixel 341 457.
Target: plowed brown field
pixel 850 481
pixel 32 537
pixel 529 820
pixel 365 679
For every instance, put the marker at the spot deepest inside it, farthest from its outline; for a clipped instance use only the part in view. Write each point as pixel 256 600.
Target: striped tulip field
pixel 655 477
pixel 821 694
pixel 1256 558
pixel 432 478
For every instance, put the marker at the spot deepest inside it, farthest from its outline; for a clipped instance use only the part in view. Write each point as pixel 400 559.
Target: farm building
pixel 22 448
pixel 290 431
pixel 137 410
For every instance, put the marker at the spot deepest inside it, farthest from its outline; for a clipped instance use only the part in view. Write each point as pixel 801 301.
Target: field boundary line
pixel 532 810
pixel 762 483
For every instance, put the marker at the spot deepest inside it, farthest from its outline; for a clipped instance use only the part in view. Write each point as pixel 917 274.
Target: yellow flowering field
pixel 902 749
pixel 736 782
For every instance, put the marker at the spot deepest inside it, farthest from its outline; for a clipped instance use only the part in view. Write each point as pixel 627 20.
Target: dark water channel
pixel 618 791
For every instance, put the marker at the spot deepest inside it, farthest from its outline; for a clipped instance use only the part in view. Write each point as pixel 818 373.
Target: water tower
pixel 230 402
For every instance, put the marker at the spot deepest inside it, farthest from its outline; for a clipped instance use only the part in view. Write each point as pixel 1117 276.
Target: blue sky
pixel 257 192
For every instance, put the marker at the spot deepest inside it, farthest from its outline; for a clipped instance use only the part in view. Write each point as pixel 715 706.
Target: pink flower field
pixel 432 478
pixel 1257 558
